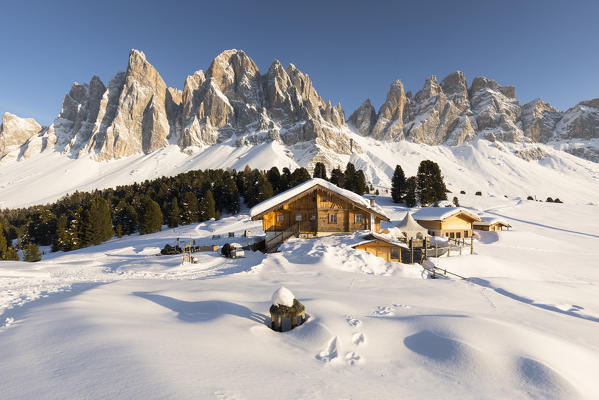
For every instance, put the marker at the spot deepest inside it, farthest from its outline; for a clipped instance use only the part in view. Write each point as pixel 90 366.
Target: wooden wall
pixel 316 208
pixel 380 249
pixel 457 224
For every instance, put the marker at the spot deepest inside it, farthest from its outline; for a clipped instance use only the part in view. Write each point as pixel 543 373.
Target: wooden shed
pixel 491 224
pixel 451 222
pixel 380 246
pixel 316 208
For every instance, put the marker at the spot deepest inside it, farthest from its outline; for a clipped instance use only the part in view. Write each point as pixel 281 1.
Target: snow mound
pixel 283 297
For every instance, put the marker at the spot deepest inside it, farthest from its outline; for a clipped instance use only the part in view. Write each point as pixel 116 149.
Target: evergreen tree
pixel 3 244
pixel 174 214
pixel 360 187
pixel 398 185
pixel 320 171
pixel 190 207
pixel 31 253
pixel 11 254
pixel 151 216
pixel 260 190
pixel 207 206
pixel 62 237
pixel 410 197
pixel 350 182
pixel 337 177
pixel 456 202
pixel 274 177
pixel 96 224
pixel 429 183
pixel 300 175
pixel 126 217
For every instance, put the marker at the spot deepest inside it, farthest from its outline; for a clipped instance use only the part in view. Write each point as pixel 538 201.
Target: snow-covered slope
pixel 135 326
pixel 492 168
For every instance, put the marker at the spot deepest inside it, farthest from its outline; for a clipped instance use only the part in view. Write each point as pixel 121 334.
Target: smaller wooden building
pixel 451 222
pixel 491 224
pixel 383 247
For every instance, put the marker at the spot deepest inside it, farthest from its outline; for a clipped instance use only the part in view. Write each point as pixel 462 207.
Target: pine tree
pixel 96 222
pixel 398 185
pixel 337 177
pixel 456 202
pixel 11 254
pixel 260 190
pixel 190 207
pixel 61 241
pixel 31 253
pixel 350 182
pixel 410 197
pixel 274 177
pixel 151 216
pixel 320 171
pixel 126 216
pixel 430 186
pixel 207 206
pixel 3 244
pixel 174 214
pixel 300 175
pixel 360 187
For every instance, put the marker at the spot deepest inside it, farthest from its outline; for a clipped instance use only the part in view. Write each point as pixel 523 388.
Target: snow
pixel 441 213
pixel 288 194
pixel 487 221
pixel 116 321
pixel 283 297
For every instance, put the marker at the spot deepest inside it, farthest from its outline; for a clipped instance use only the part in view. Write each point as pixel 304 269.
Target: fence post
pixel 425 252
pixel 411 252
pixel 471 244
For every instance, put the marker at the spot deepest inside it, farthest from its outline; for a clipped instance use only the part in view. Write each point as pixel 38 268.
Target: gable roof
pixel 488 221
pixel 360 201
pixel 442 213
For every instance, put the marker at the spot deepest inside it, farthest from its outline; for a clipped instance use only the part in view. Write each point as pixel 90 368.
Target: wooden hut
pixel 451 222
pixel 316 208
pixel 491 224
pixel 381 246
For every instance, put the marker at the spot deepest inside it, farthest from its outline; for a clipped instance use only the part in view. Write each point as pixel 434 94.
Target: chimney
pixel 372 202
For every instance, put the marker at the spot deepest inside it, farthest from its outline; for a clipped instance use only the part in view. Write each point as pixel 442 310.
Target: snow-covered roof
pixel 488 221
pixel 441 213
pixel 372 237
pixel 409 224
pixel 302 187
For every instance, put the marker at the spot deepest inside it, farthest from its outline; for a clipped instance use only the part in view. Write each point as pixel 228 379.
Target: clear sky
pixel 351 50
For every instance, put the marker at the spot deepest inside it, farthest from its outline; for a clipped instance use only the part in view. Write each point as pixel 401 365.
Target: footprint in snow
pixel 383 310
pixel 358 338
pixel 354 322
pixel 353 358
pixel 330 352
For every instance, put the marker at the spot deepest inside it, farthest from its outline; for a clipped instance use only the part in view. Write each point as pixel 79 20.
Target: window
pixel 332 218
pixel 312 217
pixel 395 254
pixel 298 217
pixel 465 234
pixel 359 219
pixel 451 235
pixel 281 217
pixel 458 235
pixel 323 199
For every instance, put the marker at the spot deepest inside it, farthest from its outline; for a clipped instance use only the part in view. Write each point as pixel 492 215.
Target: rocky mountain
pixel 137 113
pixel 452 113
pixel 232 102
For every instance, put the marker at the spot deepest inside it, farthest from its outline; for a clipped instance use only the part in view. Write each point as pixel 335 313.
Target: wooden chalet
pixel 491 224
pixel 451 222
pixel 316 208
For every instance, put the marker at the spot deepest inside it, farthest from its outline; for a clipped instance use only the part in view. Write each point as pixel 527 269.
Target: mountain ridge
pixel 137 113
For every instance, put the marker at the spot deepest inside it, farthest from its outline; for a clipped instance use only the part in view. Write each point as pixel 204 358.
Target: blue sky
pixel 351 50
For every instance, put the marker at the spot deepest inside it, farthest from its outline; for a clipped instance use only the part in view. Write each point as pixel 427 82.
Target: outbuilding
pixel 491 224
pixel 451 222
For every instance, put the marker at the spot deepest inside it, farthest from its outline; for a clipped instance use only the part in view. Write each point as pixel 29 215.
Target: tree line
pixel 83 219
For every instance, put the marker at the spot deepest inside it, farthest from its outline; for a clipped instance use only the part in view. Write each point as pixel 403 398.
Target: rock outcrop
pixel 14 131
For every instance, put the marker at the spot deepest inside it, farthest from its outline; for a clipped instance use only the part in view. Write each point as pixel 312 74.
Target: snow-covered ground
pixel 115 321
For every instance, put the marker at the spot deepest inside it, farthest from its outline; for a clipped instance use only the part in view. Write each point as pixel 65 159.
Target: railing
pixel 280 237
